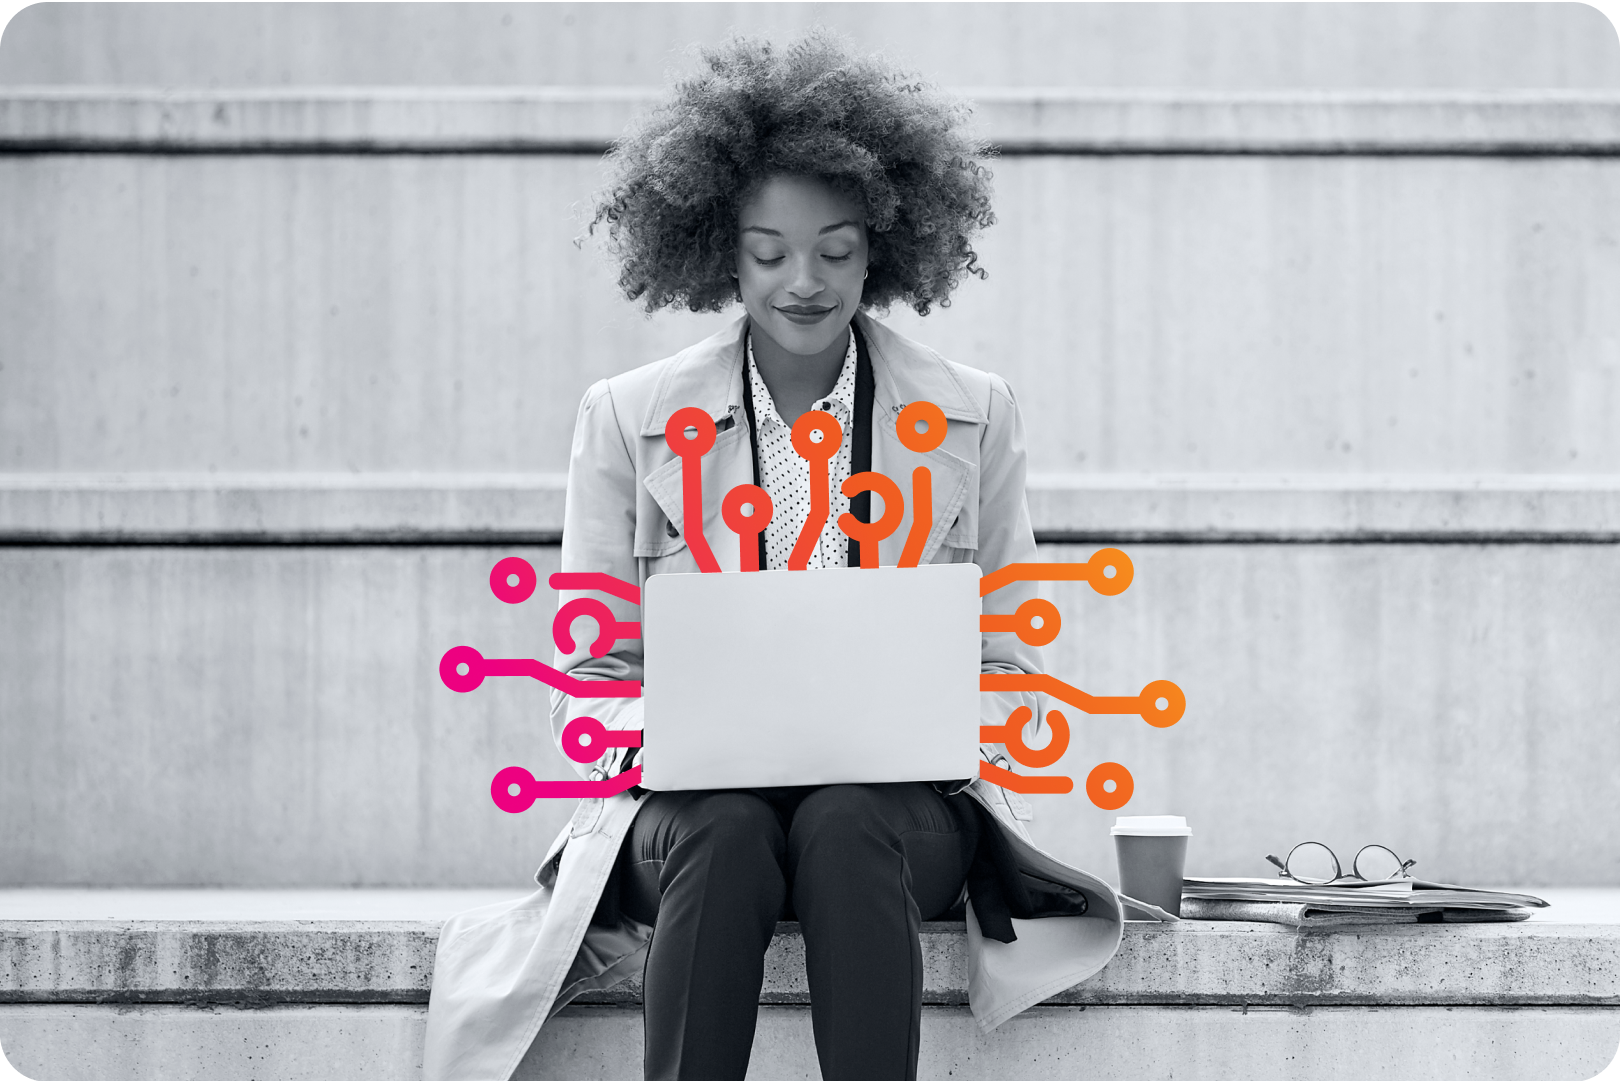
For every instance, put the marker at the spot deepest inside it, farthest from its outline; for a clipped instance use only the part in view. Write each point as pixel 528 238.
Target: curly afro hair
pixel 885 139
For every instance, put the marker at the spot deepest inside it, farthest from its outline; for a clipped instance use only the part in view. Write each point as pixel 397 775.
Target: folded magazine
pixel 1348 902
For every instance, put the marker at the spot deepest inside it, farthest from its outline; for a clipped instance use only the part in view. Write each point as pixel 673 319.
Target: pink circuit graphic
pixel 746 510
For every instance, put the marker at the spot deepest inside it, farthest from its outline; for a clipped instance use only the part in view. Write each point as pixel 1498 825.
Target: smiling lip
pixel 804 314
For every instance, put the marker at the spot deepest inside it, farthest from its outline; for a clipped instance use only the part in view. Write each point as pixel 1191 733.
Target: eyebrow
pixel 823 232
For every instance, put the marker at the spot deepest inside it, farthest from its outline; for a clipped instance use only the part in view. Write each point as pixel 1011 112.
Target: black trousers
pixel 859 866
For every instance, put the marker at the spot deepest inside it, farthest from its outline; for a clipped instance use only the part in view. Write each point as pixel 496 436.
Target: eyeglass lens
pixel 1313 862
pixel 1375 863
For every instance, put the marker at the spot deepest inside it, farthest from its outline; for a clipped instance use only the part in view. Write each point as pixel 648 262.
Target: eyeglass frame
pixel 1338 868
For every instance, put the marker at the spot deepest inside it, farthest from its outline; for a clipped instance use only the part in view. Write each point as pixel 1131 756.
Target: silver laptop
pixel 758 679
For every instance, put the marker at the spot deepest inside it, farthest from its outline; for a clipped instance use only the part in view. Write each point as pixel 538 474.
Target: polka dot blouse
pixel 786 477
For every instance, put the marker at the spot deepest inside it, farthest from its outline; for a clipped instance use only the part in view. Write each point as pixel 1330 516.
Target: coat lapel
pixel 904 372
pixel 950 478
pixel 728 464
pixel 708 376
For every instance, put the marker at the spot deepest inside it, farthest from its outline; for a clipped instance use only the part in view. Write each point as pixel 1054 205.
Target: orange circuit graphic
pixel 746 510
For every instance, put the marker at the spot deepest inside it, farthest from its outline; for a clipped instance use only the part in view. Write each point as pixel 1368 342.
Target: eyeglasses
pixel 1314 863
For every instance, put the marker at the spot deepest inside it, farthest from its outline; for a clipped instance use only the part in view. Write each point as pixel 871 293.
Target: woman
pixel 810 185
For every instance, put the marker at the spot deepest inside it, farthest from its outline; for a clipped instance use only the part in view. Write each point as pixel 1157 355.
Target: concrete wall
pixel 315 312
pixel 273 716
pixel 284 370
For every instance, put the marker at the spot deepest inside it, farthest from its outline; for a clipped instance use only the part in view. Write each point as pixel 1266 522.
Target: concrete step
pixel 376 946
pixel 1016 120
pixel 527 508
pixel 602 1043
pixel 328 984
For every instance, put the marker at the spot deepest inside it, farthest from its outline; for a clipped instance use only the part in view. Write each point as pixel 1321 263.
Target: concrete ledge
pixel 1131 1043
pixel 260 963
pixel 239 992
pixel 282 508
pixel 583 120
pixel 1325 508
pixel 415 508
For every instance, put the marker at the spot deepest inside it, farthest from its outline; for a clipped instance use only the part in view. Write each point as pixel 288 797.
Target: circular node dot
pixel 811 424
pixel 1099 780
pixel 1041 622
pixel 513 580
pixel 1163 703
pixel 459 669
pixel 746 509
pixel 921 427
pixel 689 432
pixel 501 790
pixel 578 737
pixel 1110 571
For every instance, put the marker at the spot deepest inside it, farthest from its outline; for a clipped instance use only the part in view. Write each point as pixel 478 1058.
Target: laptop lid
pixel 841 676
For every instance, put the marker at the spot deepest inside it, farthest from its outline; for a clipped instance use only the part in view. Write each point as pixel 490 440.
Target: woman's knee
pixel 869 817
pixel 727 847
pixel 844 813
pixel 738 813
pixel 731 826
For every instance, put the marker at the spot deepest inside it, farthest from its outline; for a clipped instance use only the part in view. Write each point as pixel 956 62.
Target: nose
pixel 806 280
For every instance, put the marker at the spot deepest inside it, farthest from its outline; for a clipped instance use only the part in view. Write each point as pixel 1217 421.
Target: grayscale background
pixel 1312 309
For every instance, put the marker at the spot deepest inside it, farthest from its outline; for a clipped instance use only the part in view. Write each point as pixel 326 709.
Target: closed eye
pixel 768 262
pixel 838 258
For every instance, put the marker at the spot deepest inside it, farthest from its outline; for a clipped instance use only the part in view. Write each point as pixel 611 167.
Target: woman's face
pixel 801 259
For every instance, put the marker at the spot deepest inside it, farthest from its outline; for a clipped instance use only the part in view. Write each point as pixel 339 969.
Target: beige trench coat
pixel 503 970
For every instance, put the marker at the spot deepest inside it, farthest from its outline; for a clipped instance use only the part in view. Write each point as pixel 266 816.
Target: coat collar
pixel 709 375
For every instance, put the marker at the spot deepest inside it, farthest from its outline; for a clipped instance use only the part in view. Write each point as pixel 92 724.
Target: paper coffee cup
pixel 1152 855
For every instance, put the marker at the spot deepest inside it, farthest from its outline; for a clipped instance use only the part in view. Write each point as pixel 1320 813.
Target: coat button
pixel 669 527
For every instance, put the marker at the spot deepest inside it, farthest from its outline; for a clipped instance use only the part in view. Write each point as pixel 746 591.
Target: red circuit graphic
pixel 746 510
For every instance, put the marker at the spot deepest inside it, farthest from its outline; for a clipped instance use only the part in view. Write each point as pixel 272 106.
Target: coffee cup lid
pixel 1151 826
